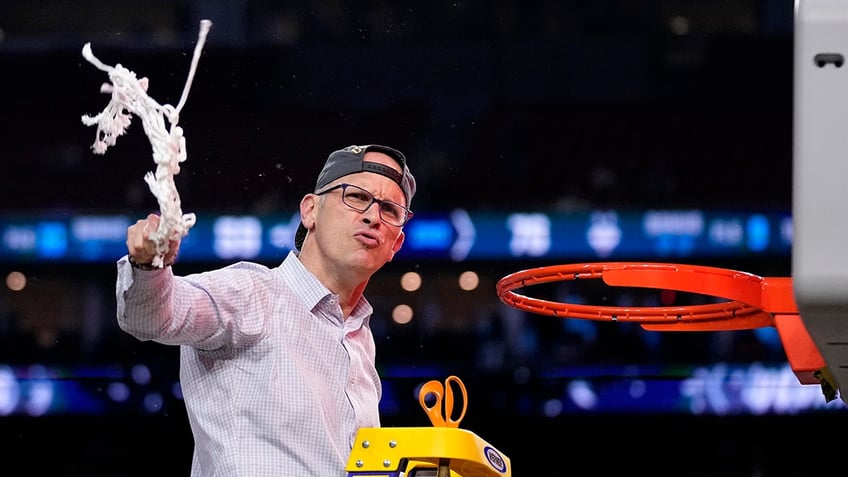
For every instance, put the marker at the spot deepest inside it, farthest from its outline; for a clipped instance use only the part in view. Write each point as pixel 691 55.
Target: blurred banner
pixel 456 236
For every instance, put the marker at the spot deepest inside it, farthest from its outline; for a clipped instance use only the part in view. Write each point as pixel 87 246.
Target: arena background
pixel 534 124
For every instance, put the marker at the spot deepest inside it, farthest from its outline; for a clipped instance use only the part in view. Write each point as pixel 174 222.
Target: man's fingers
pixel 142 248
pixel 139 245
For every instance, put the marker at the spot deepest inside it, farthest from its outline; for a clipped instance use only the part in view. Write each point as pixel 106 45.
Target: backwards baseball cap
pixel 351 160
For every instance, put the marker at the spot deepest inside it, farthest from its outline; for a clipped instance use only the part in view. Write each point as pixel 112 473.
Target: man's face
pixel 360 240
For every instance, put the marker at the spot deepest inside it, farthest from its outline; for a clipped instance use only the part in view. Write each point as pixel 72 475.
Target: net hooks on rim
pixel 750 302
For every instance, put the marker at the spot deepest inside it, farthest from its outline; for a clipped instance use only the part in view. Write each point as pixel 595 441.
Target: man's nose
pixel 372 212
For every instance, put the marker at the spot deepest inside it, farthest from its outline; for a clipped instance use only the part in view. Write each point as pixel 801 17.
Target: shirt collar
pixel 312 291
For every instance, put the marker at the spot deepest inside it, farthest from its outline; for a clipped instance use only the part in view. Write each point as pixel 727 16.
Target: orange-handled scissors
pixel 439 416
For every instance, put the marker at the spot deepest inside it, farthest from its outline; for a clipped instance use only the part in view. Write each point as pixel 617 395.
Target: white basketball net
pixel 129 97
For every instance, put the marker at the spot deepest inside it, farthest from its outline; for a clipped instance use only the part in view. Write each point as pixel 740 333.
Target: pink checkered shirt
pixel 275 381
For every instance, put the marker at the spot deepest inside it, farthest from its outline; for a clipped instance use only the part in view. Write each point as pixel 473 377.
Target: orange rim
pixel 751 302
pixel 742 291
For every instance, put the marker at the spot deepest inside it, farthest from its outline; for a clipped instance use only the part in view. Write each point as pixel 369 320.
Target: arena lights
pixel 604 234
pixel 718 389
pixel 530 234
pixel 410 281
pixel 402 314
pixel 16 281
pixel 237 237
pixel 469 281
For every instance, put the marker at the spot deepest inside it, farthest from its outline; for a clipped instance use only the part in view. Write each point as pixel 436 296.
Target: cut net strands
pixel 129 97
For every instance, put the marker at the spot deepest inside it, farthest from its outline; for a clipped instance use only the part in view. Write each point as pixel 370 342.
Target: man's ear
pixel 398 243
pixel 307 210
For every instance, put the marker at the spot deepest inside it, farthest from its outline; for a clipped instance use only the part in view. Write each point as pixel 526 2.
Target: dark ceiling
pixel 508 104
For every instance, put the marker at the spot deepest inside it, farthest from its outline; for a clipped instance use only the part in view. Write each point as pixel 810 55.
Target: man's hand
pixel 140 247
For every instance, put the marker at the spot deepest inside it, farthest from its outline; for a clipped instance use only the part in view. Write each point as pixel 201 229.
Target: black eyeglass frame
pixel 344 185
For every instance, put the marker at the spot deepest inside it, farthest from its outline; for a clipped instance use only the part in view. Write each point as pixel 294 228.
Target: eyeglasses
pixel 360 200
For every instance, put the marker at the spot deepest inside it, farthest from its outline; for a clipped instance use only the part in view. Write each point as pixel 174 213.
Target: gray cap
pixel 351 160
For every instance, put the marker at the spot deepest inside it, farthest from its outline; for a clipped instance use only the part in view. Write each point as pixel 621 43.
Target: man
pixel 277 364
